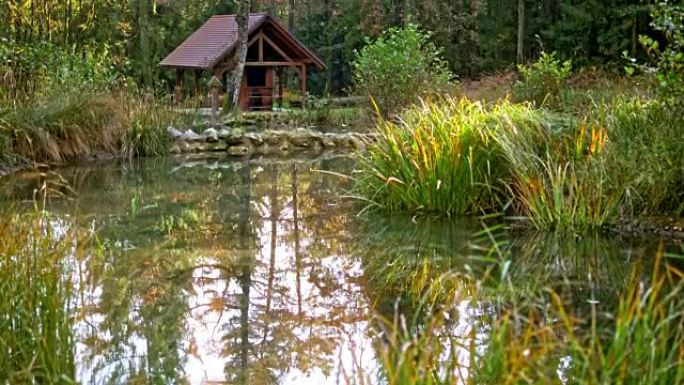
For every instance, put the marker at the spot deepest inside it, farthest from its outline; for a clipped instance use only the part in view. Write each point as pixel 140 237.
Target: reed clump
pixel 36 309
pixel 65 127
pixel 484 337
pixel 642 344
pixel 442 157
pixel 458 157
pixel 81 125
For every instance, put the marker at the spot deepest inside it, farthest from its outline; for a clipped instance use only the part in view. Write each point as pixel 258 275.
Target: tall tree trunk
pixel 242 20
pixel 292 12
pixel 143 44
pixel 521 31
pixel 67 22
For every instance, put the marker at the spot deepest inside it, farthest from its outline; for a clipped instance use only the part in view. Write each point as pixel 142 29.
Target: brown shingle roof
pixel 217 38
pixel 213 40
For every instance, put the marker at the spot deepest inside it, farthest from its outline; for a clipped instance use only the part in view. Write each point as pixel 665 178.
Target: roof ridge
pixel 233 14
pixel 216 39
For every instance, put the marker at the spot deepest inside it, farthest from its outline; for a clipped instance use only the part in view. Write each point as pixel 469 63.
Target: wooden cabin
pixel 272 50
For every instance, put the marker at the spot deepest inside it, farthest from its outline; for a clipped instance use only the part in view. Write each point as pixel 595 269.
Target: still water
pixel 215 271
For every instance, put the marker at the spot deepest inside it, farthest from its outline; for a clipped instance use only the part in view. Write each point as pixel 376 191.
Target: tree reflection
pixel 257 273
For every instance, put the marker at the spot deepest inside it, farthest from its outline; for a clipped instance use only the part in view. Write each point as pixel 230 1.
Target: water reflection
pixel 214 271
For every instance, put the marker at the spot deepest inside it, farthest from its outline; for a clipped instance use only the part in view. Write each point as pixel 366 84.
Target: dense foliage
pixel 667 58
pixel 399 67
pixel 543 81
pixel 126 39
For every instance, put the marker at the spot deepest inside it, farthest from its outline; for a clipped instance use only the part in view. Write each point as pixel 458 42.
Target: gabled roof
pixel 217 38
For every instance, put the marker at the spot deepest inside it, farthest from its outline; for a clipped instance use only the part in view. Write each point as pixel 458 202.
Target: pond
pixel 219 271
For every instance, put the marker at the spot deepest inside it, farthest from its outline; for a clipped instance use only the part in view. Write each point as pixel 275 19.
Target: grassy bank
pixel 616 162
pixel 36 312
pixel 81 125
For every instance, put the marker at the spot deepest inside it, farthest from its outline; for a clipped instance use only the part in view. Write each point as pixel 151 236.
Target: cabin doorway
pixel 259 87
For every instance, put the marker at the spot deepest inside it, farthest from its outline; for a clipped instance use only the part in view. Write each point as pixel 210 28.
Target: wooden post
pixel 179 85
pixel 280 87
pixel 215 85
pixel 261 46
pixel 196 74
pixel 302 71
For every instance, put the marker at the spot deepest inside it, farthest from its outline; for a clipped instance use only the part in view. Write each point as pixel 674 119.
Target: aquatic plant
pixel 566 184
pixel 36 319
pixel 535 337
pixel 147 133
pixel 76 126
pixel 64 127
pixel 457 157
pixel 441 157
pixel 646 150
pixel 643 344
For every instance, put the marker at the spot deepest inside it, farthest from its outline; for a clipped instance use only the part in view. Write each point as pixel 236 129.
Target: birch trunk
pixel 242 20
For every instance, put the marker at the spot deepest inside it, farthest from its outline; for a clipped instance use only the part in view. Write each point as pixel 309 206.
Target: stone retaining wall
pixel 283 142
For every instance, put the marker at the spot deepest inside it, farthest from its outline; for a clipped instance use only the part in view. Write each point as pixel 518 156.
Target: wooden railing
pixel 260 98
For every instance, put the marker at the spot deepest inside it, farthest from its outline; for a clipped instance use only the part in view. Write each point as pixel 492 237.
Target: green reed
pixel 457 157
pixel 538 337
pixel 36 320
pixel 71 127
pixel 441 157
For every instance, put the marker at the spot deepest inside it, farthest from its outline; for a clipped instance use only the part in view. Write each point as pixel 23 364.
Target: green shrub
pixel 398 68
pixel 667 59
pixel 41 69
pixel 541 82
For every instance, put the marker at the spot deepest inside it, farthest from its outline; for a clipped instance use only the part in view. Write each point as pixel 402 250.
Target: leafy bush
pixel 34 70
pixel 398 68
pixel 667 61
pixel 541 82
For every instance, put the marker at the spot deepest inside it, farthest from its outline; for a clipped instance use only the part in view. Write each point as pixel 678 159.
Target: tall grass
pixel 647 150
pixel 65 127
pixel 457 157
pixel 36 320
pixel 644 344
pixel 564 182
pixel 81 125
pixel 539 340
pixel 147 133
pixel 441 157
